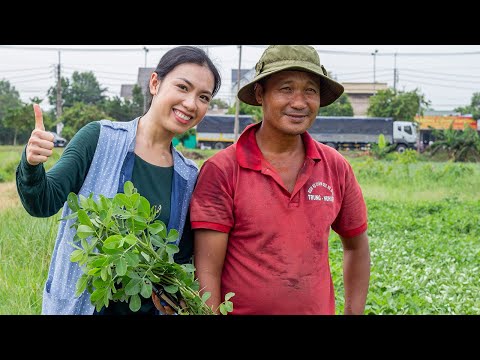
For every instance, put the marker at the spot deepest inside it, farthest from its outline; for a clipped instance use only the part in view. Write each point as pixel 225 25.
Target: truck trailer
pixel 346 132
pixel 216 131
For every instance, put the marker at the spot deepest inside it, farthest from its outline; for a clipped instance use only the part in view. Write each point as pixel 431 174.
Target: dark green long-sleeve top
pixel 43 194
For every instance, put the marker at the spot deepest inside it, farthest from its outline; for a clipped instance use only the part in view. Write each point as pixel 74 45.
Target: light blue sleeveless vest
pixel 111 167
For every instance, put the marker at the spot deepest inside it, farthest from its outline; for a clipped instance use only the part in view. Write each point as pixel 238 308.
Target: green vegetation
pixel 423 229
pixel 129 252
pixel 341 107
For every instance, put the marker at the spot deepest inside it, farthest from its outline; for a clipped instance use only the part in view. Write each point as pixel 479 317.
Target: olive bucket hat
pixel 291 57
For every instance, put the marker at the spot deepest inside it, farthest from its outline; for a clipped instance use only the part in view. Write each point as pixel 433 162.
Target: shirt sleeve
pixel 211 206
pixel 352 218
pixel 44 193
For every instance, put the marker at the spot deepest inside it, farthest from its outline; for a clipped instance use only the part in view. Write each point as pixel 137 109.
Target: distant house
pixel 360 93
pixel 143 78
pixel 245 76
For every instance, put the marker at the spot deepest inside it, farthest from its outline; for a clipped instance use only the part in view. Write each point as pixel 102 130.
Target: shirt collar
pixel 249 154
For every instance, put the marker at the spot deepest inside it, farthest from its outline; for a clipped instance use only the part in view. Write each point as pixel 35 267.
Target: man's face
pixel 290 100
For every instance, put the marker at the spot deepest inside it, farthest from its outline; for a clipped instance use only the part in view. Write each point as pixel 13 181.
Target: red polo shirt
pixel 277 256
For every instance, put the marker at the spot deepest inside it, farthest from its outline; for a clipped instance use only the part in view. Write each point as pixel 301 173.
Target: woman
pixel 103 155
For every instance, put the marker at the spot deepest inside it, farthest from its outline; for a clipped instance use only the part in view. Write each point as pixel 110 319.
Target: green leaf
pixel 68 217
pixel 135 303
pixel 206 295
pixel 172 235
pixel 190 268
pixel 144 207
pixel 94 271
pixel 133 287
pixel 172 249
pixel 229 295
pixel 146 291
pixel 83 201
pixel 128 188
pixel 156 227
pixel 172 289
pixel 130 239
pixel 84 231
pixel 132 259
pixel 113 242
pixel 81 284
pixel 83 218
pixel 228 306
pixel 104 273
pixel 121 266
pixel 100 261
pixel 84 243
pixel 223 309
pixel 76 255
pixel 72 201
pixel 135 200
pixel 122 200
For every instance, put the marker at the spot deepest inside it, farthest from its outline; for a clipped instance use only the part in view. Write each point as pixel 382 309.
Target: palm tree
pixel 459 145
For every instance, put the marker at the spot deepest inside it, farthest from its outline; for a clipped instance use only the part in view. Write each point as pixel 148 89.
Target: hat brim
pixel 330 90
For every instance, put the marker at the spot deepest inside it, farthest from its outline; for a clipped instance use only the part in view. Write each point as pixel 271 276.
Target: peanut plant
pixel 123 250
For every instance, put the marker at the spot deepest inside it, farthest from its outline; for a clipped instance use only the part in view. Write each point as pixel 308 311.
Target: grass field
pixel 423 229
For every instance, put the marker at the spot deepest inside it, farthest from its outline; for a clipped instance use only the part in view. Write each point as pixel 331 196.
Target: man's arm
pixel 210 248
pixel 356 272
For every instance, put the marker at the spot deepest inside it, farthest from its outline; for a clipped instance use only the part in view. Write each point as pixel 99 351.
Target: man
pixel 262 209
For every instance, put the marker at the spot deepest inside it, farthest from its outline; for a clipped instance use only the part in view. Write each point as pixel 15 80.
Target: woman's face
pixel 181 99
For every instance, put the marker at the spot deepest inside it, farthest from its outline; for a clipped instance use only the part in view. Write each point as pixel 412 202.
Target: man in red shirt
pixel 262 209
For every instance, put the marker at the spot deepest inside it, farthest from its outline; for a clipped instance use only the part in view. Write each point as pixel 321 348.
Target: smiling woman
pixel 104 155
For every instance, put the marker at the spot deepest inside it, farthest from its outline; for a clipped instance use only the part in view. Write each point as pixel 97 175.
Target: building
pixel 245 76
pixel 143 78
pixel 359 95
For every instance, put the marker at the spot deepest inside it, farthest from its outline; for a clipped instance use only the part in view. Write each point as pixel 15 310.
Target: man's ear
pixel 258 88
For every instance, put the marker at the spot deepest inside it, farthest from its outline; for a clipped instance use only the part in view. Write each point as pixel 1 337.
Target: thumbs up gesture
pixel 40 144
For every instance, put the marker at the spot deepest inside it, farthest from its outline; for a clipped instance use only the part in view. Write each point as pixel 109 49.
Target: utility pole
pixel 146 52
pixel 59 95
pixel 374 69
pixel 395 75
pixel 237 109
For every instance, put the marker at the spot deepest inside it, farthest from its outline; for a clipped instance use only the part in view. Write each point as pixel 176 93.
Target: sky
pixel 447 75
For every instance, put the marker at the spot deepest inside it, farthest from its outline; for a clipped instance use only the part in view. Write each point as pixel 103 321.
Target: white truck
pixel 342 132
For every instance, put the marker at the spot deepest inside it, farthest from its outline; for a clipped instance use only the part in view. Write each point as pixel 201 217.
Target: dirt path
pixel 8 195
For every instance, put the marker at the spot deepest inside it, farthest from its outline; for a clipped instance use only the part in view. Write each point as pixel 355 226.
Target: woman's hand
pixel 40 144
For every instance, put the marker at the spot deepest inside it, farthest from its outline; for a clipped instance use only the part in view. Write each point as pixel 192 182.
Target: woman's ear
pixel 154 84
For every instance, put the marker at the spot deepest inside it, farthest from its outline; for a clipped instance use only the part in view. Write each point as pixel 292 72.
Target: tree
pixel 122 109
pixel 219 103
pixel 83 87
pixel 399 105
pixel 473 108
pixel 9 98
pixel 246 109
pixel 459 145
pixel 341 107
pixel 20 120
pixel 78 116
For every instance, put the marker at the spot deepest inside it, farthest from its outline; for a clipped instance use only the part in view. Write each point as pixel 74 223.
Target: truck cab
pixel 405 135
